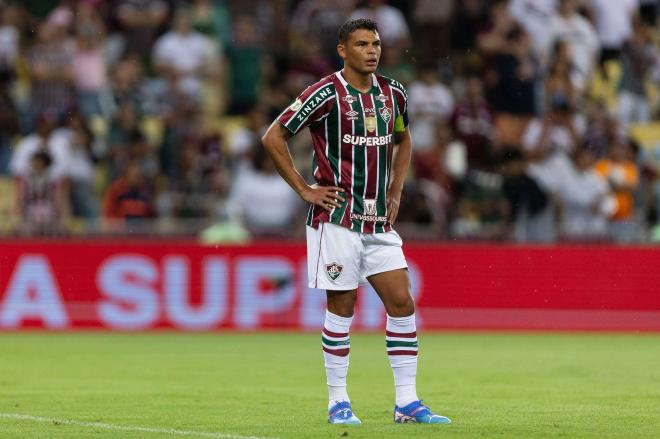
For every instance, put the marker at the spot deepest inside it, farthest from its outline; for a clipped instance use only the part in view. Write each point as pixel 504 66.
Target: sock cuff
pixel 401 324
pixel 335 323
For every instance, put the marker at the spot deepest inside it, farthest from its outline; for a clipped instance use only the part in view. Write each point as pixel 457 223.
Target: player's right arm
pixel 275 142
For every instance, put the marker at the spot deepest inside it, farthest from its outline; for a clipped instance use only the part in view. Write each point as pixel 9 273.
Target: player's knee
pixel 342 304
pixel 401 306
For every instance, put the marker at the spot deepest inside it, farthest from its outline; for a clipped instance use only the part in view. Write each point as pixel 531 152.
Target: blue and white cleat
pixel 419 413
pixel 341 413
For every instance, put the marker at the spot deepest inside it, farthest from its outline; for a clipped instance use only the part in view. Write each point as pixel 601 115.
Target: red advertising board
pixel 124 285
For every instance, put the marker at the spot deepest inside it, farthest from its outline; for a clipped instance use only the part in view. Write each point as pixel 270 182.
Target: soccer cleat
pixel 341 413
pixel 419 413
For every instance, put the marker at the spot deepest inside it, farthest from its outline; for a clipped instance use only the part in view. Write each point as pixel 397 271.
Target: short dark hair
pixel 351 26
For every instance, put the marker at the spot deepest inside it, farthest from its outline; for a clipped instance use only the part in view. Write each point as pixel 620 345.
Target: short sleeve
pixel 313 105
pixel 401 101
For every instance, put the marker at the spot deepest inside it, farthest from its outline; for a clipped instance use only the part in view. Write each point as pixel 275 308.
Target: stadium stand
pixel 176 94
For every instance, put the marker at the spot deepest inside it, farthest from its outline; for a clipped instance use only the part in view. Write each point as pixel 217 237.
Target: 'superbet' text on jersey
pixel 353 137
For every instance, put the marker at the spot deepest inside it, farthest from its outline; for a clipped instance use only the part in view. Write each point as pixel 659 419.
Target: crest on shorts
pixel 370 123
pixel 297 105
pixel 370 207
pixel 333 270
pixel 385 113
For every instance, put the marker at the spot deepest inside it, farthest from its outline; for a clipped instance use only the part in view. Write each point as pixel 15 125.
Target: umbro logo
pixel 352 115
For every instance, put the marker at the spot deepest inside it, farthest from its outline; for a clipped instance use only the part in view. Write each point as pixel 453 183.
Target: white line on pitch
pixel 171 431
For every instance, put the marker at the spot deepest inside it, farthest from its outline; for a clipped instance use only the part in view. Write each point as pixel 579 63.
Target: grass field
pixel 100 385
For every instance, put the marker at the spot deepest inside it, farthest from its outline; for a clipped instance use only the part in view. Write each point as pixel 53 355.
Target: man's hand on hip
pixel 327 197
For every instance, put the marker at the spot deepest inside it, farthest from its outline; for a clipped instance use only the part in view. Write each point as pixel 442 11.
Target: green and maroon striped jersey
pixel 353 139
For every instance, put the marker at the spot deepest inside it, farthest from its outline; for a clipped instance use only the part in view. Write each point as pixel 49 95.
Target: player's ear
pixel 341 50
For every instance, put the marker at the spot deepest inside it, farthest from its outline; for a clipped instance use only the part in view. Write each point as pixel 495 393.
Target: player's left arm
pixel 400 165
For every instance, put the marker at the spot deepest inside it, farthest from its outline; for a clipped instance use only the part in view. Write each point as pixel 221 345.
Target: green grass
pixel 272 385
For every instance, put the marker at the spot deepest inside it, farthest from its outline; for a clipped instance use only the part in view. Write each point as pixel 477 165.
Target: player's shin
pixel 336 346
pixel 401 340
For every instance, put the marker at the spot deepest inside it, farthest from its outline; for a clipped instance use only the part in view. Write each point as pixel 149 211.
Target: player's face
pixel 361 52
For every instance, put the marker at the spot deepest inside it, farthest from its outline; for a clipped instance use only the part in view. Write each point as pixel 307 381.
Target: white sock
pixel 401 339
pixel 336 346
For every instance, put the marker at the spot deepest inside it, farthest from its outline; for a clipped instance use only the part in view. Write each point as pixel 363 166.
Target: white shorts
pixel 339 258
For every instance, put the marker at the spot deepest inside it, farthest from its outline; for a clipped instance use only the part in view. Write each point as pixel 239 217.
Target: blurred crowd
pixel 532 120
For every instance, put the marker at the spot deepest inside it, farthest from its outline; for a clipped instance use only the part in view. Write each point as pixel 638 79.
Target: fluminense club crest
pixel 333 270
pixel 385 113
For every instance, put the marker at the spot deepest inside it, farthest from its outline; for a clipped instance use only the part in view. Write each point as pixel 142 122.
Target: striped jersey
pixel 353 140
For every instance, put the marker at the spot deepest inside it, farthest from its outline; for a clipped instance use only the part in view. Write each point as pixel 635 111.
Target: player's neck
pixel 359 81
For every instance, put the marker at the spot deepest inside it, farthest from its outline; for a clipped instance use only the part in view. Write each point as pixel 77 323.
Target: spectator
pixel 319 20
pixel 614 21
pixel 45 139
pixel 266 203
pixel 469 19
pixel 211 18
pixel 622 175
pixel 42 198
pixel 432 28
pixel 51 68
pixel 602 128
pixel 560 83
pixel 638 58
pixel 129 200
pixel 583 46
pixel 10 38
pixel 516 72
pixel 548 144
pixel 9 124
pixel 473 124
pixel 391 22
pixel 534 16
pixel 395 64
pixel 127 87
pixel 185 55
pixel 530 207
pixel 140 21
pixel 585 199
pixel 245 58
pixel 247 138
pixel 429 103
pixel 438 171
pixel 89 64
pixel 124 129
pixel 79 168
pixel 189 192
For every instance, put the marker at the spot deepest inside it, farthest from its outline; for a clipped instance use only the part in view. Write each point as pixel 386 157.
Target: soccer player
pixel 362 148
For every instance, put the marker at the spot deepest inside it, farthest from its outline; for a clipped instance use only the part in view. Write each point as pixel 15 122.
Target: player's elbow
pixel 268 140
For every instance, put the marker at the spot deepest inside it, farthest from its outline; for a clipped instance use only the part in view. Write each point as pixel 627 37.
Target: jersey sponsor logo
pixel 385 114
pixel 349 99
pixel 333 271
pixel 297 105
pixel 382 98
pixel 370 207
pixel 370 123
pixel 368 218
pixel 313 102
pixel 367 141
